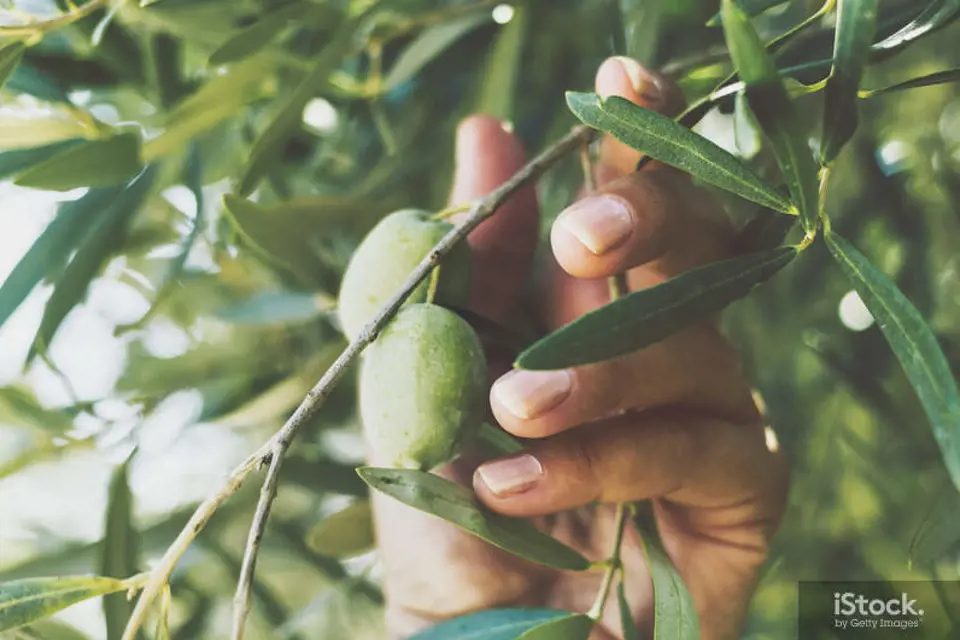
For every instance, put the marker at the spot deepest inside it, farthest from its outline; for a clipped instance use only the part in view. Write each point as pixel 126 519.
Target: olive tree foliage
pixel 222 160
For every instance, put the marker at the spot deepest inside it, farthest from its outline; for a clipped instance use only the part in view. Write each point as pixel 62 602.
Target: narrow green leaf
pixel 17 160
pixel 492 624
pixel 217 100
pixel 26 78
pixel 269 144
pixel 674 613
pixel 765 230
pixel 163 620
pixel 914 345
pixel 99 243
pixel 458 505
pixel 344 534
pixel 193 178
pixel 774 111
pixel 26 601
pixel 119 551
pixel 258 35
pixel 51 250
pixel 647 316
pixel 96 163
pixel 428 46
pixel 856 26
pixel 280 240
pixel 937 15
pixel 503 68
pixel 10 56
pixel 19 405
pixel 661 138
pixel 641 28
pixel 939 530
pixel 273 308
pixel 497 441
pixel 940 77
pixel 627 623
pixel 575 626
pixel 750 7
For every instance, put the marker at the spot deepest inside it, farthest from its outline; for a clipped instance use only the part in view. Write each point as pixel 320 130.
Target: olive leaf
pixel 497 441
pixel 10 56
pixel 119 551
pixel 429 45
pixel 856 26
pixel 492 624
pixel 27 79
pixel 763 231
pixel 253 38
pixel 193 178
pixel 216 101
pixel 279 238
pixel 674 613
pixel 162 631
pixel 914 345
pixel 102 237
pixel 575 626
pixel 749 7
pixel 939 529
pixel 774 111
pixel 49 253
pixel 273 308
pixel 641 28
pixel 671 143
pixel 349 532
pixel 32 599
pixel 650 315
pixel 458 505
pixel 503 69
pixel 268 145
pixel 627 623
pixel 937 14
pixel 95 163
pixel 18 160
pixel 940 77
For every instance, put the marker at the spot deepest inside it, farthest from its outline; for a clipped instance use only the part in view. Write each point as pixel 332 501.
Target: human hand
pixel 674 423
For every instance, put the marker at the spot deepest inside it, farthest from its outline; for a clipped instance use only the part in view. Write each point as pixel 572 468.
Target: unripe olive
pixel 387 256
pixel 422 387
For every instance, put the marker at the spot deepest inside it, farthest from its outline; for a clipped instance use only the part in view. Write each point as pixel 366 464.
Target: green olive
pixel 387 256
pixel 423 387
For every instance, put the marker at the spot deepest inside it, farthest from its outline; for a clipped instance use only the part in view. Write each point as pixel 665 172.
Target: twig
pixel 275 448
pixel 27 30
pixel 614 564
pixel 241 600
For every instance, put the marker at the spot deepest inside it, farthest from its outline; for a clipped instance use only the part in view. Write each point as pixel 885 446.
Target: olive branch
pixel 271 453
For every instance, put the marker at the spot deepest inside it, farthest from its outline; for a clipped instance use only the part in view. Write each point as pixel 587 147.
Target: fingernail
pixel 511 476
pixel 644 83
pixel 600 223
pixel 528 394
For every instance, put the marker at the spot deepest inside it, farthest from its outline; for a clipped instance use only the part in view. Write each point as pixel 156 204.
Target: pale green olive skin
pixel 423 388
pixel 384 260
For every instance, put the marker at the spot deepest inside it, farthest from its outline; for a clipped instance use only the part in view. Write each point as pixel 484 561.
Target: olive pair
pixel 423 381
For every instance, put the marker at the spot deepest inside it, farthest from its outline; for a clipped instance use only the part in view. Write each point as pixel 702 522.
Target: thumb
pixel 503 246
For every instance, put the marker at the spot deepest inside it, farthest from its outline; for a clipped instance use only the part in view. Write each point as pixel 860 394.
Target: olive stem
pixel 613 565
pixel 434 283
pixel 274 449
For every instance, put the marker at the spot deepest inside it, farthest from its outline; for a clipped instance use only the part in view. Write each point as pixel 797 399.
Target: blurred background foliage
pixel 184 331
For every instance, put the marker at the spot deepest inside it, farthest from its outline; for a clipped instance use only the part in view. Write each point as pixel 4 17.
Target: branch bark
pixel 274 450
